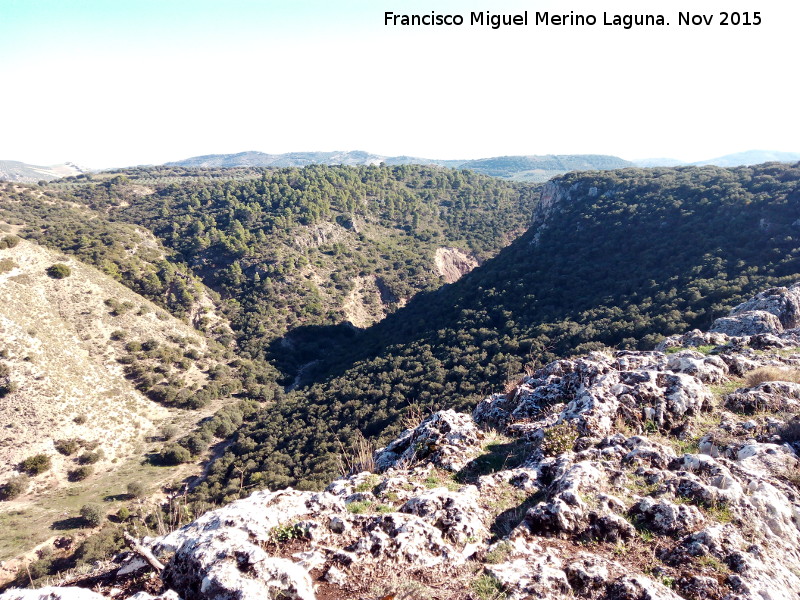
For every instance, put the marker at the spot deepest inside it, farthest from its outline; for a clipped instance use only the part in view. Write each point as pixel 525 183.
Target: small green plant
pixel 721 512
pixel 368 484
pixel 487 587
pixel 286 533
pixel 359 507
pixel 499 553
pixel 6 264
pixel 90 458
pixel 559 439
pixel 706 349
pixel 59 271
pixel 713 563
pixel 667 581
pixel 123 514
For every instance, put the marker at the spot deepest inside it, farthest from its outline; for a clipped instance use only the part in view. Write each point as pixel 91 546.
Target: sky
pixel 111 83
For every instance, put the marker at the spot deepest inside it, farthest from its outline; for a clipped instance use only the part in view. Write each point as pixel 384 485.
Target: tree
pixel 93 514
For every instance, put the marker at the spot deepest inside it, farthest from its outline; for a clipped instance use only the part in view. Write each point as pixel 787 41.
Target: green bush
pixel 80 473
pixel 90 458
pixel 175 455
pixel 59 271
pixel 36 464
pixel 9 241
pixel 14 487
pixel 67 447
pixel 93 514
pixel 137 489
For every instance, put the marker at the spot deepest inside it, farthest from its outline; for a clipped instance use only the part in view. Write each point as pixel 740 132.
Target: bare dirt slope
pixel 56 341
pixel 452 263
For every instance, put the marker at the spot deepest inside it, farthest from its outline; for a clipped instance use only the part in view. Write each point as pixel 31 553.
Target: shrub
pixel 168 432
pixel 764 374
pixel 118 335
pixel 106 542
pixel 123 514
pixel 67 447
pixel 137 489
pixel 175 454
pixel 89 458
pixel 80 473
pixel 59 271
pixel 36 464
pixel 93 514
pixel 9 241
pixel 80 419
pixel 14 487
pixel 790 432
pixel 7 387
pixel 558 439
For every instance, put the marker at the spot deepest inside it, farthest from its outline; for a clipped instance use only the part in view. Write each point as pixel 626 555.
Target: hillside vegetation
pixel 616 259
pixel 290 249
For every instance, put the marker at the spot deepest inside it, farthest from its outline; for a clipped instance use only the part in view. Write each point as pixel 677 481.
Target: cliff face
pixel 618 476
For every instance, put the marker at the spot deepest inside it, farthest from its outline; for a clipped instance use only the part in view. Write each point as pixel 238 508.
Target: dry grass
pixel 764 374
pixel 360 458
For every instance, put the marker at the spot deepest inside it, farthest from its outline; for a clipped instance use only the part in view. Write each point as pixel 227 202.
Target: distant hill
pixel 13 170
pixel 738 159
pixel 658 162
pixel 542 168
pixel 519 168
pixel 750 157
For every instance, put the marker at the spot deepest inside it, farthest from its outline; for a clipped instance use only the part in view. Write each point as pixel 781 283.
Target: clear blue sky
pixel 122 82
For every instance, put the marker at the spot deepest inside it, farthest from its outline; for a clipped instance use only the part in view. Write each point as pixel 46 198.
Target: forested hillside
pixel 319 246
pixel 613 258
pixel 616 259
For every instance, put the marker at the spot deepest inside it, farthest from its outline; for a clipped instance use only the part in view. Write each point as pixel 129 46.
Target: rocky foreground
pixel 619 476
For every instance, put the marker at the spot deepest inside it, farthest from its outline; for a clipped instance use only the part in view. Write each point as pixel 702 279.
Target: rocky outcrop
pixel 613 476
pixel 771 311
pixel 452 263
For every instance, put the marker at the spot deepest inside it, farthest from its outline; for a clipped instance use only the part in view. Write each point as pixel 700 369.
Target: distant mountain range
pixel 520 168
pixel 517 168
pixel 738 159
pixel 13 170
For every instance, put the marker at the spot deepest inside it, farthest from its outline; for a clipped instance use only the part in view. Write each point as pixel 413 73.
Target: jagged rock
pixel 693 339
pixel 445 439
pixel 588 573
pixel 782 302
pixel 748 323
pixel 610 448
pixel 257 514
pixel 539 575
pixel 404 539
pixel 708 369
pixel 666 517
pixel 639 588
pixel 772 396
pixel 168 595
pixel 225 564
pixel 455 513
pixel 51 593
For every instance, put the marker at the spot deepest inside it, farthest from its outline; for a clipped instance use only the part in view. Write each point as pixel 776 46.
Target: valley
pixel 276 317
